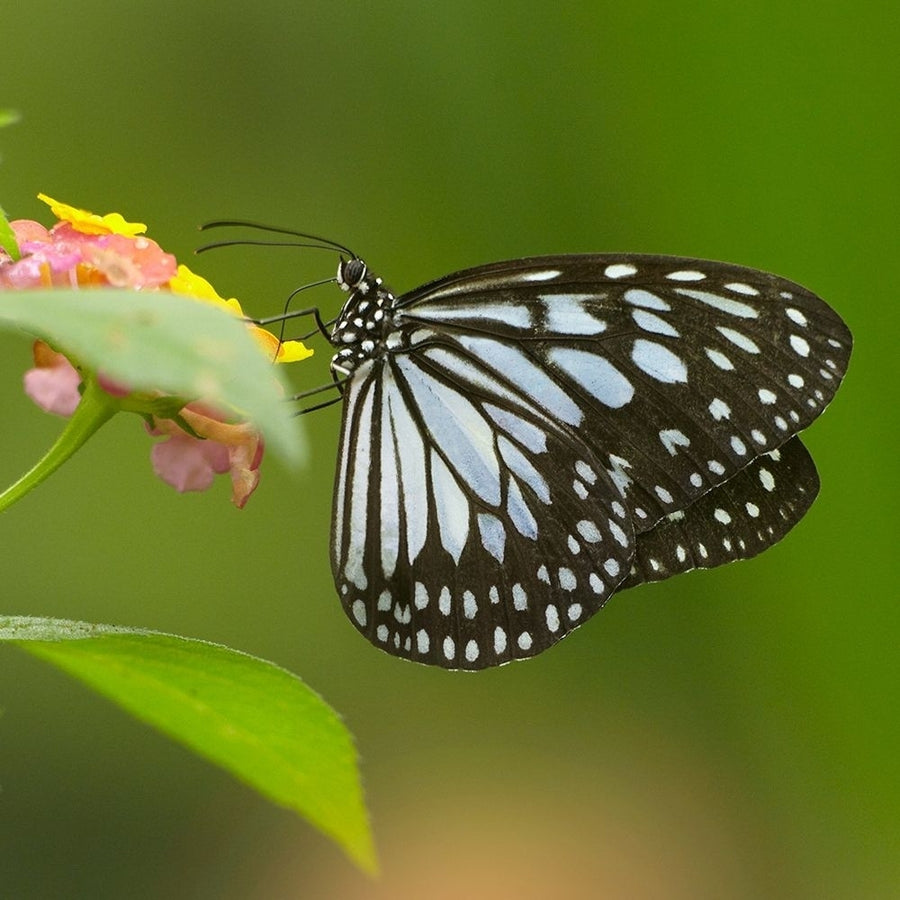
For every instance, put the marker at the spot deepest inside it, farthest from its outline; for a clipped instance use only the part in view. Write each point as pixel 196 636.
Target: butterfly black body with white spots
pixel 522 439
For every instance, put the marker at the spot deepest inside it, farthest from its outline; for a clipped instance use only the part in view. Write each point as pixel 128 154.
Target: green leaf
pixel 8 238
pixel 163 341
pixel 249 716
pixel 9 117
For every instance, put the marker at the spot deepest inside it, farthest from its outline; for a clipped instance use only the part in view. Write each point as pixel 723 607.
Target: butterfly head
pixel 351 274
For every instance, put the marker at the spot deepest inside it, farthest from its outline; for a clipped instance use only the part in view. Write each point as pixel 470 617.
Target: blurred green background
pixel 725 734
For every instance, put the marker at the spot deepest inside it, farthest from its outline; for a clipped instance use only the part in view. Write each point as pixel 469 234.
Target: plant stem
pixel 96 408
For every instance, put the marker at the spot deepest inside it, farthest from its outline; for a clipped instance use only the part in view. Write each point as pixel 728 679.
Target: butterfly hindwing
pixel 737 520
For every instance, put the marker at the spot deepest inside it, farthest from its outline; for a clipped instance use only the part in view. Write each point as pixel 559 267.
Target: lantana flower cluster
pixel 83 250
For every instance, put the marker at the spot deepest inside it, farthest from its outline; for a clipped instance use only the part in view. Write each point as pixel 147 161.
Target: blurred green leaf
pixel 9 117
pixel 7 237
pixel 258 721
pixel 163 341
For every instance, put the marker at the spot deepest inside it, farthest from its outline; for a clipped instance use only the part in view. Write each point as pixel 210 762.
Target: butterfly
pixel 522 439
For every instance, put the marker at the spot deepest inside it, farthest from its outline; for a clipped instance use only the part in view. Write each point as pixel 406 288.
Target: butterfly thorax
pixel 365 318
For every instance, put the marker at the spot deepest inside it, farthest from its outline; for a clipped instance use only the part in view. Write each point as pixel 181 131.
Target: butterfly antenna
pixel 323 243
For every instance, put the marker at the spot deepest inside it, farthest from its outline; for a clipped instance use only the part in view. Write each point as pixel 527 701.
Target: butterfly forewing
pixel 525 437
pixel 678 371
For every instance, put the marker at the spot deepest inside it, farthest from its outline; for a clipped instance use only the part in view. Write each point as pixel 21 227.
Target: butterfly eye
pixel 350 273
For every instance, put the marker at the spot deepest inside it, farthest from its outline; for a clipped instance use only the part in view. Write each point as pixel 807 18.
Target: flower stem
pixel 96 408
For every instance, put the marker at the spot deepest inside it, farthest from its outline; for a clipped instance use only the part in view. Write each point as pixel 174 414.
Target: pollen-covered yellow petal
pixel 190 284
pixel 90 223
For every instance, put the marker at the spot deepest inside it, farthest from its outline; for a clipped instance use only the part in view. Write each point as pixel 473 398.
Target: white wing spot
pixel 620 270
pixel 552 616
pixel 696 479
pixel 359 613
pixel 658 362
pixel 567 579
pixel 780 423
pixel 596 375
pixel 471 651
pixel 795 380
pixel 766 396
pixel 654 564
pixel 423 642
pixel 739 447
pixel 752 509
pixel 612 567
pixel 384 601
pixel 618 509
pixel 726 305
pixel 574 612
pixel 719 409
pixel 420 596
pixel 585 471
pixel 726 543
pixel 574 546
pixel 499 640
pixel 653 323
pixel 796 316
pixel 637 297
pixel 739 339
pixel 681 553
pixel 767 480
pixel 528 435
pixel 675 516
pixel 494 594
pixel 444 601
pixel 543 575
pixel 449 647
pixel 740 288
pixel 758 436
pixel 620 537
pixel 520 598
pixel 686 275
pixel 381 632
pixel 716 467
pixel 545 275
pixel 566 314
pixel 672 439
pixel 800 345
pixel 493 535
pixel 524 641
pixel 596 582
pixel 470 607
pixel 702 550
pixel 722 516
pixel 580 489
pixel 589 531
pixel 663 494
pixel 719 359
